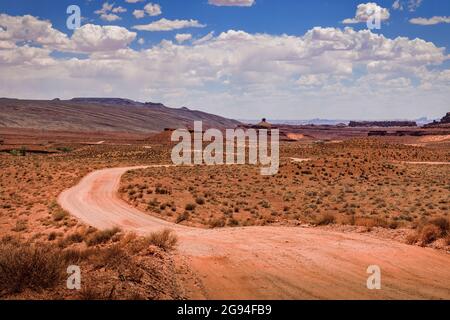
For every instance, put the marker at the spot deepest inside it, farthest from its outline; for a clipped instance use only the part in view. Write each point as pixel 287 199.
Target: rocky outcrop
pixel 444 123
pixel 446 118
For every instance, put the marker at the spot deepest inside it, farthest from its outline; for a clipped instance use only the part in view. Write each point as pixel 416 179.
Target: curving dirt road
pixel 272 262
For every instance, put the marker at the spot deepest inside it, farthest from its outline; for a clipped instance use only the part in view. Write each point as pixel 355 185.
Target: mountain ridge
pixel 97 114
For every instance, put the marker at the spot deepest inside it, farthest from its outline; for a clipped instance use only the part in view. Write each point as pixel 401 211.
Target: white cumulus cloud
pixel 153 9
pixel 91 38
pixel 30 29
pixel 139 14
pixel 168 25
pixel 109 13
pixel 325 72
pixel 412 5
pixel 365 11
pixel 182 37
pixel 430 21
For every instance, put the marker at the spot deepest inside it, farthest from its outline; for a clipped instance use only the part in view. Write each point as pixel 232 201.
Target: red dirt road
pixel 272 262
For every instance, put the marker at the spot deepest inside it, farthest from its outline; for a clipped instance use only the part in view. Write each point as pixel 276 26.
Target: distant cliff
pixel 444 123
pixel 383 124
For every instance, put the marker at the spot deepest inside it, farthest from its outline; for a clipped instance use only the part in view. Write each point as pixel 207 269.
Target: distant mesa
pixel 263 125
pixel 444 123
pixel 446 118
pixel 113 101
pixel 382 124
pixel 89 114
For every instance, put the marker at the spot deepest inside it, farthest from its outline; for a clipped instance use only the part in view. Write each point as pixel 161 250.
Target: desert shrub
pixel 232 222
pixel 164 239
pixel 52 236
pixel 200 200
pixel 64 149
pixel 59 215
pixel 102 236
pixel 443 225
pixel 29 266
pixel 76 237
pixel 429 233
pixel 371 222
pixel 76 255
pixel 182 217
pixel 265 204
pixel 20 152
pixel 325 219
pixel 217 223
pixel 113 257
pixel 190 207
pixel 412 238
pixel 162 190
pixel 21 225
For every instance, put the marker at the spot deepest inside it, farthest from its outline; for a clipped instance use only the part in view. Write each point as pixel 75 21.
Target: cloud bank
pixel 335 72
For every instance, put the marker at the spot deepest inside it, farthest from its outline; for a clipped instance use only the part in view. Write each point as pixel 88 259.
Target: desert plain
pixel 141 228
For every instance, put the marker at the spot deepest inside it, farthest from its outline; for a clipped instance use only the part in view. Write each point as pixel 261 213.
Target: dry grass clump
pixel 443 225
pixel 133 267
pixel 447 240
pixel 370 222
pixel 217 223
pixel 431 231
pixel 164 239
pixel 325 219
pixel 25 265
pixel 102 236
pixel 182 217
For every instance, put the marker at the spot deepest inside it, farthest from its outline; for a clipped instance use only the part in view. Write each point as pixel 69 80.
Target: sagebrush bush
pixel 429 233
pixel 190 207
pixel 217 223
pixel 443 225
pixel 447 240
pixel 200 200
pixel 182 217
pixel 102 236
pixel 325 219
pixel 164 239
pixel 60 215
pixel 29 266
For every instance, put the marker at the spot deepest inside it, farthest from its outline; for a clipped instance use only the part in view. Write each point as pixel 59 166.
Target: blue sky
pixel 278 72
pixel 293 17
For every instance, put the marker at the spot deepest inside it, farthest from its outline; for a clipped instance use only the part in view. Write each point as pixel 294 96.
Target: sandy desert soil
pixel 39 239
pixel 31 218
pixel 331 184
pixel 273 262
